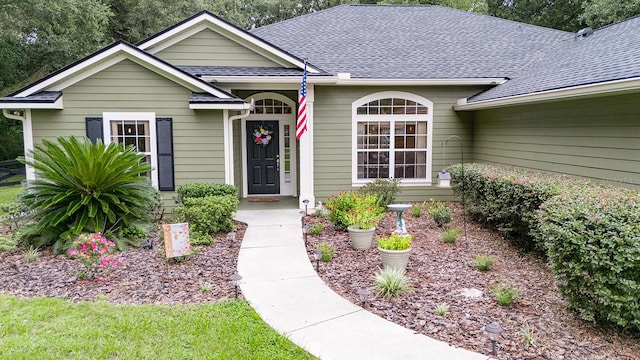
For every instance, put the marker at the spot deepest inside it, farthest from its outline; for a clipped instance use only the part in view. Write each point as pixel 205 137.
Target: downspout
pixel 9 115
pixel 229 143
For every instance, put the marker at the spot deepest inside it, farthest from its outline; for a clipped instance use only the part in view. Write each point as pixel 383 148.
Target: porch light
pixel 305 232
pixel 306 204
pixel 492 331
pixel 235 280
pixel 363 295
pixel 317 254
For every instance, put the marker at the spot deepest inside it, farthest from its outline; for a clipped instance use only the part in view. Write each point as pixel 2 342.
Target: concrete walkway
pixel 283 287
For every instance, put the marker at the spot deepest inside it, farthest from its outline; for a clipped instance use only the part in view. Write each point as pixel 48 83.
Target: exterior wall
pixel 126 86
pixel 597 138
pixel 333 128
pixel 208 48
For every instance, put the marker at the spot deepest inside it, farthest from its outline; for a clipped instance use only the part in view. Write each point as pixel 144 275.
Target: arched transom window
pixel 392 137
pixel 271 106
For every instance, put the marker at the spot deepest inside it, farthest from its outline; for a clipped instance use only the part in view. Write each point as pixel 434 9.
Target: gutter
pixel 583 91
pixel 346 80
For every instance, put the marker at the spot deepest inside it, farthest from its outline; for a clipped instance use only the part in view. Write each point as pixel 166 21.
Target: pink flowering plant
pixel 96 253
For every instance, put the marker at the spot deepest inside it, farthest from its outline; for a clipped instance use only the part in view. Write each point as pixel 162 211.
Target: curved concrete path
pixel 282 286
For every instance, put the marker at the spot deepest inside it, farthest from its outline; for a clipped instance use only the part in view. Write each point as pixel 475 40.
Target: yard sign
pixel 176 239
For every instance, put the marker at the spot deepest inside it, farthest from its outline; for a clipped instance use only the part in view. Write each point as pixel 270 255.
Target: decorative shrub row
pixel 200 190
pixel 590 233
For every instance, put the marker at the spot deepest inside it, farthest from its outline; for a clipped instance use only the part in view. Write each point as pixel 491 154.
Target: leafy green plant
pixel 198 238
pixel 395 242
pixel 208 215
pixel 391 282
pixel 328 252
pixel 439 212
pixel 450 236
pixel 416 210
pixel 442 309
pixel 528 338
pixel 483 262
pixel 7 243
pixel 505 294
pixel 385 190
pixel 316 229
pixel 353 208
pixel 82 187
pixel 31 254
pixel 201 190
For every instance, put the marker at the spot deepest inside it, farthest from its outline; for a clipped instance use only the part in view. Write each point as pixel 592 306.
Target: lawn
pixel 8 193
pixel 51 328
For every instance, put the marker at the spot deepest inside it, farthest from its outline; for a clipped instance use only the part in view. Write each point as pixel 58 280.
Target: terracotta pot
pixel 395 258
pixel 361 239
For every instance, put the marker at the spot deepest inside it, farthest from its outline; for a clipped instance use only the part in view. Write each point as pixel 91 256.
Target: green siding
pixel 198 135
pixel 333 127
pixel 596 138
pixel 208 48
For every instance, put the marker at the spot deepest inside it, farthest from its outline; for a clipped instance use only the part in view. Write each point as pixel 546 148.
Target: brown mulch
pixel 439 272
pixel 145 277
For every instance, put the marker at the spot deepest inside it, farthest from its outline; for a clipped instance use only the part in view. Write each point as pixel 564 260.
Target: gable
pixel 209 48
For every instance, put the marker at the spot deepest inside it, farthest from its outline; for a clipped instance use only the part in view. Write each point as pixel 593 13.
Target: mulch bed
pixel 439 272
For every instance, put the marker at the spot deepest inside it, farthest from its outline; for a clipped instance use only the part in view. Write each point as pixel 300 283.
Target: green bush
pixel 416 210
pixel 385 190
pixel 208 215
pixel 483 262
pixel 349 206
pixel 395 242
pixel 505 294
pixel 439 212
pixel 198 238
pixel 82 187
pixel 593 237
pixel 328 252
pixel 200 190
pixel 391 282
pixel 450 236
pixel 316 229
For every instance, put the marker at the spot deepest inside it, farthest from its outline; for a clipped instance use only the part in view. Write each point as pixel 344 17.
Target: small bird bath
pixel 399 208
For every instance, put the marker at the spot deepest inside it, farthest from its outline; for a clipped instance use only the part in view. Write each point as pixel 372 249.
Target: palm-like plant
pixel 82 186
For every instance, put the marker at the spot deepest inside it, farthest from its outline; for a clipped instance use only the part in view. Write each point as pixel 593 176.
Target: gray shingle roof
pixel 204 98
pixel 411 42
pixel 41 97
pixel 610 53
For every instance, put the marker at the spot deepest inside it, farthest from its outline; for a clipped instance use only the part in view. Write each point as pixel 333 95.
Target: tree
pixel 597 13
pixel 563 15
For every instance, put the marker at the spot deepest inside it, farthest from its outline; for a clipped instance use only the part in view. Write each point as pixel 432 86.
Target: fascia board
pixel 590 90
pixel 56 105
pixel 219 106
pixel 335 80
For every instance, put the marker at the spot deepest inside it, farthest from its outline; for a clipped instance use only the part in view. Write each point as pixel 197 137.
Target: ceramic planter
pixel 361 239
pixel 395 258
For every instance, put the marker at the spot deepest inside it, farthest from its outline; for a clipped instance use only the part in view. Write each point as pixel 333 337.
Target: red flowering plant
pixel 355 209
pixel 95 252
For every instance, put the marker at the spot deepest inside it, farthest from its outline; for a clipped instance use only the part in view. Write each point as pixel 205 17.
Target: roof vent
pixel 583 33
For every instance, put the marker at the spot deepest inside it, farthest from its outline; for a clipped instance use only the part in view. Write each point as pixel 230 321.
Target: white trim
pixel 307 168
pixel 282 119
pixel 57 105
pixel 336 80
pixel 182 32
pixel 219 106
pixel 355 118
pixel 112 56
pixel 228 150
pixel 107 117
pixel 432 82
pixel 590 90
pixel 27 134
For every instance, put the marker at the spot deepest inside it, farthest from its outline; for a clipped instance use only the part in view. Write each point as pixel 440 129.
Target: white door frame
pixel 288 186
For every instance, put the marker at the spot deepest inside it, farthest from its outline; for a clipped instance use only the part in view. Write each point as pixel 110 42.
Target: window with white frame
pixel 392 138
pixel 136 129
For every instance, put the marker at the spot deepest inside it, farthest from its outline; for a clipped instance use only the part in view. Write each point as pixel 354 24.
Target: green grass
pixel 8 194
pixel 46 328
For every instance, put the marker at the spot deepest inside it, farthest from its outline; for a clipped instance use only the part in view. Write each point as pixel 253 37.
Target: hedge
pixel 590 233
pixel 209 214
pixel 200 190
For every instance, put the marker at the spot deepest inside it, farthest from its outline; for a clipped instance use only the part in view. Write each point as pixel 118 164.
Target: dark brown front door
pixel 263 157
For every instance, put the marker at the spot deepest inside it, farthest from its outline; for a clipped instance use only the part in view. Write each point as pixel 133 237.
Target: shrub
pixel 31 254
pixel 328 252
pixel 95 252
pixel 391 282
pixel 450 236
pixel 439 212
pixel 316 229
pixel 593 238
pixel 483 262
pixel 208 215
pixel 7 243
pixel 416 210
pixel 395 242
pixel 82 187
pixel 201 190
pixel 385 190
pixel 352 208
pixel 198 238
pixel 505 294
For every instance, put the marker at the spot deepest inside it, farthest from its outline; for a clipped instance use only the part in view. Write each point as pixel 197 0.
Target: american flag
pixel 301 123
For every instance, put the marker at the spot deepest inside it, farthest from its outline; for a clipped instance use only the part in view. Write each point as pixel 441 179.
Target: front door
pixel 263 157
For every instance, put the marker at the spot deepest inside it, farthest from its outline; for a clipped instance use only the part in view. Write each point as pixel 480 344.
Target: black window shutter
pixel 164 128
pixel 94 129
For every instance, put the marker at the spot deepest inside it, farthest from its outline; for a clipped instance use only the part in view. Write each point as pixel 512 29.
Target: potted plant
pixel 358 213
pixel 395 250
